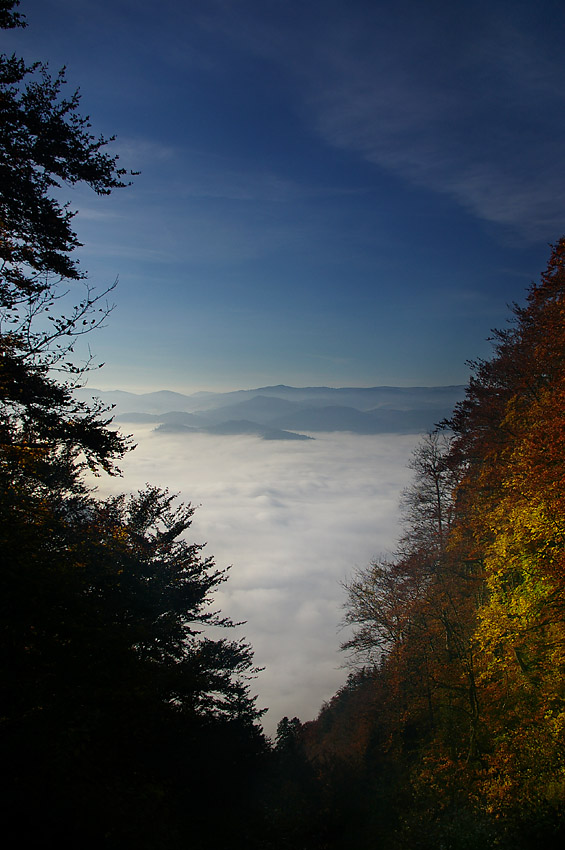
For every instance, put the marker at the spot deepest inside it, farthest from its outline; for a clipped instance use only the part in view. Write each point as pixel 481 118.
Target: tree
pixel 8 18
pixel 427 504
pixel 119 709
pixel 413 618
pixel 44 143
pixel 125 721
pixel 509 433
pixel 458 722
pixel 384 600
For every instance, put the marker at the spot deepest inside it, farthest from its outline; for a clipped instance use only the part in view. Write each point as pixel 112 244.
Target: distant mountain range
pixel 281 412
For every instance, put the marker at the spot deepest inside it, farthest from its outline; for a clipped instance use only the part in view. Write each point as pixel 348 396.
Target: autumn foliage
pixel 453 731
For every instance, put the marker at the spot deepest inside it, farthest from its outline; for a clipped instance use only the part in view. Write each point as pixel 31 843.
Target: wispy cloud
pixel 464 101
pixel 419 116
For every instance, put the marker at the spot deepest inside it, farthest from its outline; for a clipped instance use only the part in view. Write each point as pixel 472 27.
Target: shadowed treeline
pixel 123 721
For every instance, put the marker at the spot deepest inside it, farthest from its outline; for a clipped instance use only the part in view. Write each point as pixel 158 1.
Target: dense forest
pixel 126 717
pixel 451 731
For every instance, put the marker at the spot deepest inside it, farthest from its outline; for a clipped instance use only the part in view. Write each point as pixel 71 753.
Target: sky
pixel 331 193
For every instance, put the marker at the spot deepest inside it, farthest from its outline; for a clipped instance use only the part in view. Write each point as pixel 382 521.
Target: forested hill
pixel 281 411
pixel 451 732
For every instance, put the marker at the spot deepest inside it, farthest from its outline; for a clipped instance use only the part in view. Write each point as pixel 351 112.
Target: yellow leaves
pixel 554 790
pixel 520 643
pixel 519 639
pixel 120 533
pixel 526 769
pixel 516 612
pixel 509 533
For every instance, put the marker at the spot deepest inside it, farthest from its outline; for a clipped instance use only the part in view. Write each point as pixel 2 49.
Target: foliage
pixel 44 144
pixel 107 670
pixel 454 724
pixel 126 720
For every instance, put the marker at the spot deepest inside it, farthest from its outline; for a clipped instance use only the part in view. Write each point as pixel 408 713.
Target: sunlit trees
pixel 466 623
pixel 513 493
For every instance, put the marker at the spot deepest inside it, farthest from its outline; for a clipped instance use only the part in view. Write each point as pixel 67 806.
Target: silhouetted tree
pixel 109 676
pixel 125 720
pixel 45 143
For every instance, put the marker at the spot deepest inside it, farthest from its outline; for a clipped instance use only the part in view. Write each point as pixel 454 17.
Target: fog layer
pixel 293 519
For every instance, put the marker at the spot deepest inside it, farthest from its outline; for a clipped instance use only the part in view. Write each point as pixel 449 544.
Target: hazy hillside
pixel 361 410
pixel 233 427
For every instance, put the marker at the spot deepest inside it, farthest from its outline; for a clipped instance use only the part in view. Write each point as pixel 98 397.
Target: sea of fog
pixel 294 520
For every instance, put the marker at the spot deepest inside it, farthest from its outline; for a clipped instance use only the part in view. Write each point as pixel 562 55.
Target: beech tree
pixel 384 600
pixel 452 734
pixel 509 433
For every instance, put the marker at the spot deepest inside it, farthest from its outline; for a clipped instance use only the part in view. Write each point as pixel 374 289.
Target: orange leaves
pixel 525 772
pixel 511 436
pixel 467 624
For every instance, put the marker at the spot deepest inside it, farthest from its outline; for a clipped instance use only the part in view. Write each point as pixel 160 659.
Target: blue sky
pixel 331 193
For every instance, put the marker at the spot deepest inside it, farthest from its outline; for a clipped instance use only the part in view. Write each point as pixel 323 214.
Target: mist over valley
pixel 293 513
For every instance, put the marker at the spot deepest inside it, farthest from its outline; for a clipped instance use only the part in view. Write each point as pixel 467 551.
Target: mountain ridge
pixel 278 408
